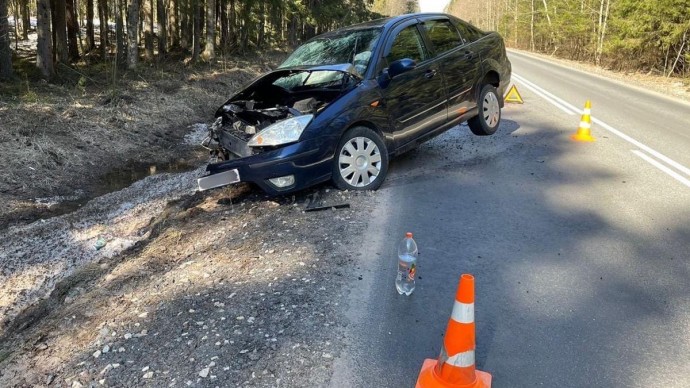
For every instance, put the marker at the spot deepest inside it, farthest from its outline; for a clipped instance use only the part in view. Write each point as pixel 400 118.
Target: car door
pixel 459 61
pixel 416 99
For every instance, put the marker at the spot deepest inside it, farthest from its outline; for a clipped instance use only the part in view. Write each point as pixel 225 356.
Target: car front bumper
pixel 309 161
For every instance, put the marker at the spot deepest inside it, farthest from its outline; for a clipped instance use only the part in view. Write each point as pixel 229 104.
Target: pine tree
pixel 44 46
pixel 5 52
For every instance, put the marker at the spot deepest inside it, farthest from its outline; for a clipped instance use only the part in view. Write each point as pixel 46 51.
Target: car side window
pixel 408 44
pixel 468 33
pixel 443 35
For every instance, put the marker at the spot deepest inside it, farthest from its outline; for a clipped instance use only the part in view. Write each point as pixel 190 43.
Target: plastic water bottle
pixel 407 265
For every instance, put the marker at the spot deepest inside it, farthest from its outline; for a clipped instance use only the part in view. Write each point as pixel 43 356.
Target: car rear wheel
pixel 489 117
pixel 361 160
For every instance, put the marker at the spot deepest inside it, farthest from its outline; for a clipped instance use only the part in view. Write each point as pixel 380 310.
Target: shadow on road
pixel 577 269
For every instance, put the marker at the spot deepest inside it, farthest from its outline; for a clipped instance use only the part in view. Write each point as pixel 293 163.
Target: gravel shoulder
pixel 220 288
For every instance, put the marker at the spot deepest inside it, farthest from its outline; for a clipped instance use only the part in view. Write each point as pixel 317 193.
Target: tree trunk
pixel 90 34
pixel 232 31
pixel 26 19
pixel 5 51
pixel 602 35
pixel 515 24
pixel 103 27
pixel 72 30
pixel 675 63
pixel 262 24
pixel 210 49
pixel 44 48
pixel 531 27
pixel 224 27
pixel 148 35
pixel 245 26
pixel 162 29
pixel 185 13
pixel 197 10
pixel 60 31
pixel 174 23
pixel 121 56
pixel 16 25
pixel 601 22
pixel 133 34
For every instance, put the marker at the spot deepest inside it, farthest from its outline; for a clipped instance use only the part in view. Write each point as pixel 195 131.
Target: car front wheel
pixel 489 117
pixel 361 160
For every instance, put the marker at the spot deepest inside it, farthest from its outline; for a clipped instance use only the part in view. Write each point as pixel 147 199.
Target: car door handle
pixel 469 55
pixel 430 73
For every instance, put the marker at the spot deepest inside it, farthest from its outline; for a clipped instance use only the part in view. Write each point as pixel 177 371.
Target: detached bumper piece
pixel 217 180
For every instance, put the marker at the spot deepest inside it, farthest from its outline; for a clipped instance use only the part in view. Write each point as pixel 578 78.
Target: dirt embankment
pixel 157 284
pixel 76 140
pixel 225 288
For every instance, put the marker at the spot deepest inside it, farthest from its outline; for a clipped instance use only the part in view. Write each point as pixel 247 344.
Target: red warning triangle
pixel 513 96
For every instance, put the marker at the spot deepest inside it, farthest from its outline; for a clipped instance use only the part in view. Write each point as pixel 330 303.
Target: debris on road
pixel 327 207
pixel 100 243
pixel 315 205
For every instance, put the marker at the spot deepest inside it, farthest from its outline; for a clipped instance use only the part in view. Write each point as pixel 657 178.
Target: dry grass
pixel 60 138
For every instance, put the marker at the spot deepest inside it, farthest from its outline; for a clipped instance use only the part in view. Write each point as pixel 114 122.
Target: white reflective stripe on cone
pixel 463 312
pixel 587 111
pixel 462 360
pixel 585 125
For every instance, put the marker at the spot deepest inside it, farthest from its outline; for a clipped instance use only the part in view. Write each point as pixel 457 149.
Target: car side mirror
pixel 384 79
pixel 401 66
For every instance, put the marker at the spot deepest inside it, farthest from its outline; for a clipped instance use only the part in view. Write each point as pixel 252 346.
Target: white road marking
pixel 536 90
pixel 645 148
pixel 551 62
pixel 570 109
pixel 662 167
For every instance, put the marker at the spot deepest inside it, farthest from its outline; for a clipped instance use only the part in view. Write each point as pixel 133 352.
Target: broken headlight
pixel 282 132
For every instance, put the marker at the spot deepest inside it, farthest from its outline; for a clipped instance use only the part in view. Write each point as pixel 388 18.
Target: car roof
pixel 382 23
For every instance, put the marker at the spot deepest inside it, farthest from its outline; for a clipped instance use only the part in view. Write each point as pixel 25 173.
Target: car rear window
pixel 468 32
pixel 443 35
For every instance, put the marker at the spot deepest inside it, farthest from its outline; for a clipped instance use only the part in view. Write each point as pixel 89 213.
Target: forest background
pixel 641 35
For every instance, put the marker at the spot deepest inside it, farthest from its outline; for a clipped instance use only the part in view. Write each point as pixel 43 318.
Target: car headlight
pixel 282 132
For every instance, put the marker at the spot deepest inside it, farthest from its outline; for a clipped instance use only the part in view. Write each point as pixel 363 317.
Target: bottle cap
pixel 408 234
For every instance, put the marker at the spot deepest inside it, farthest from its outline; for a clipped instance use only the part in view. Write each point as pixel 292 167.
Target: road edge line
pixel 545 97
pixel 661 167
pixel 607 127
pixel 653 93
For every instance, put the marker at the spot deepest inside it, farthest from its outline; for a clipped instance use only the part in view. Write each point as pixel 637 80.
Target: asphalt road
pixel 580 250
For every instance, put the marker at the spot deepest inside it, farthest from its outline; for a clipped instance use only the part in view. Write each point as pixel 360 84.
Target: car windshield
pixel 350 46
pixel 314 79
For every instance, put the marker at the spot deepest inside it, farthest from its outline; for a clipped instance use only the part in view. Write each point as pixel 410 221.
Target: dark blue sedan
pixel 344 103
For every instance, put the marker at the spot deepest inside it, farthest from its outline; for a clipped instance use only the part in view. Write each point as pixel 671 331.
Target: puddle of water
pixel 125 176
pixel 114 181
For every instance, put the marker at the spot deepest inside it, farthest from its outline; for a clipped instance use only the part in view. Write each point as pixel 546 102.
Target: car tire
pixel 488 119
pixel 360 161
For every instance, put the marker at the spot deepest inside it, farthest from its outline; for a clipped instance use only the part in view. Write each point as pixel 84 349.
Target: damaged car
pixel 346 102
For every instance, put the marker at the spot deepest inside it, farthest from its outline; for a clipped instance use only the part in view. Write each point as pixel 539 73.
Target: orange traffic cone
pixel 455 366
pixel 584 133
